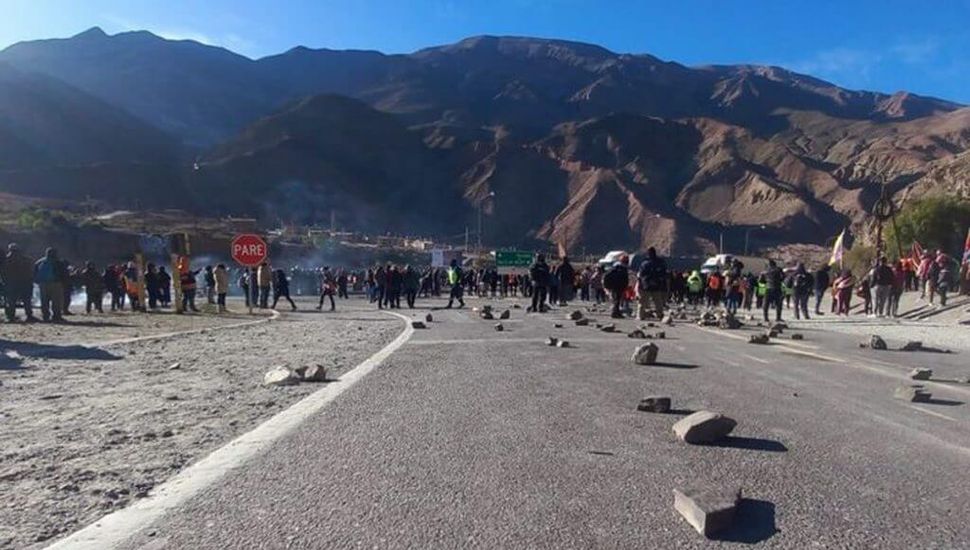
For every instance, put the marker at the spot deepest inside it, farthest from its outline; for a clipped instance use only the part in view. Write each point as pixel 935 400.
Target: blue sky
pixel 885 45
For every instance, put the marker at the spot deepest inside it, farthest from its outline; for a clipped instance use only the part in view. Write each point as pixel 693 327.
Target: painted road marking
pixel 758 359
pixel 934 413
pixel 118 527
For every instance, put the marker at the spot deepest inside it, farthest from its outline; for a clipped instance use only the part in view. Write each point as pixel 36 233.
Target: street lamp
pixel 481 206
pixel 747 235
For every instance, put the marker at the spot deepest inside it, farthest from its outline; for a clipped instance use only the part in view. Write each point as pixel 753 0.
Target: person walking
pixel 220 286
pixel 539 274
pixel 17 274
pixel 47 277
pixel 412 282
pixel 773 279
pixel 210 285
pixel 264 280
pixel 822 282
pixel 93 288
pixel 328 289
pixel 395 286
pixel 455 280
pixel 653 286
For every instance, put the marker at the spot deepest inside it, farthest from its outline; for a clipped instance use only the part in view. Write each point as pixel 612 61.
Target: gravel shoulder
pixel 86 430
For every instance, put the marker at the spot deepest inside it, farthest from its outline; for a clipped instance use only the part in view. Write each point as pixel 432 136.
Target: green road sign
pixel 513 261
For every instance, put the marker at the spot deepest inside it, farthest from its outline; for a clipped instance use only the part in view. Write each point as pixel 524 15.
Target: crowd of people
pixel 650 287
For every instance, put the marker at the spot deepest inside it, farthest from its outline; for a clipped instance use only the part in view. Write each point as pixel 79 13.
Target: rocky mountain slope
pixel 553 141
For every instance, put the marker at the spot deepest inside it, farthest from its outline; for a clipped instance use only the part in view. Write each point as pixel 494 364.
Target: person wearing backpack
pixel 802 285
pixel 653 285
pixel 616 280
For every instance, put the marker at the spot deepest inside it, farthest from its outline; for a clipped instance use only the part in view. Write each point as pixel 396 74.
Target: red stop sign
pixel 249 250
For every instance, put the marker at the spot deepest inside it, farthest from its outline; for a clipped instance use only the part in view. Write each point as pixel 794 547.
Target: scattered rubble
pixel 920 374
pixel 576 315
pixel 418 325
pixel 280 376
pixel 636 333
pixel 707 509
pixel 877 343
pixel 314 373
pixel 582 322
pixel 758 339
pixel 562 344
pixel 704 427
pixel 499 327
pixel 655 404
pixel 645 354
pixel 507 314
pixel 912 346
pixel 608 328
pixel 797 336
pixel 552 341
pixel 913 393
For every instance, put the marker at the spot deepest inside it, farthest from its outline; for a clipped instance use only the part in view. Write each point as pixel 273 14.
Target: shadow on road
pixel 681 412
pixel 945 402
pixel 13 353
pixel 674 365
pixel 755 523
pixel 751 444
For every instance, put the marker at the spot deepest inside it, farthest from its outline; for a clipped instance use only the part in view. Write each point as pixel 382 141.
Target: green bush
pixel 935 222
pixel 41 219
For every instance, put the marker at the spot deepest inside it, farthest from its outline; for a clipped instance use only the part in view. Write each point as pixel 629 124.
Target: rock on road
pixel 468 437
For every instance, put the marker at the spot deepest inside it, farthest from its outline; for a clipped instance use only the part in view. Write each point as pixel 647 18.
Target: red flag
pixel 917 252
pixel 966 247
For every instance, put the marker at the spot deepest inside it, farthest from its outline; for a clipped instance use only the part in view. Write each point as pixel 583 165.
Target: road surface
pixel 468 437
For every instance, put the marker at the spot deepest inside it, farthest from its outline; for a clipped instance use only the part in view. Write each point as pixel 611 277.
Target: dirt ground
pixel 96 412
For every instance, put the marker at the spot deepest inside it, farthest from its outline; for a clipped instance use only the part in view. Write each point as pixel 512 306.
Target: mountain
pixel 551 140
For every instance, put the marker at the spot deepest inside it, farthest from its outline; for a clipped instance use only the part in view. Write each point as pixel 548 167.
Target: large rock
pixel 921 374
pixel 281 376
pixel 608 328
pixel 707 509
pixel 654 403
pixel 729 322
pixel 576 315
pixel 876 342
pixel 315 373
pixel 758 339
pixel 646 354
pixel 914 393
pixel 418 325
pixel 704 427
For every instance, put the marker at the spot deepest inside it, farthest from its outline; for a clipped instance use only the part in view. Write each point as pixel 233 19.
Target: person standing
pixel 843 286
pixel 395 286
pixel 899 285
pixel 220 285
pixel 93 288
pixel 773 279
pixel 16 271
pixel 342 284
pixel 567 281
pixel 653 286
pixel 164 287
pixel 822 282
pixel 327 289
pixel 616 281
pixel 539 275
pixel 412 282
pixel 882 280
pixel 47 277
pixel 152 286
pixel 264 280
pixel 802 286
pixel 188 282
pixel 210 285
pixel 455 276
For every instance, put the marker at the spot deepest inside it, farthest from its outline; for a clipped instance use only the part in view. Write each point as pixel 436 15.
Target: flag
pixel 838 249
pixel 966 247
pixel 917 252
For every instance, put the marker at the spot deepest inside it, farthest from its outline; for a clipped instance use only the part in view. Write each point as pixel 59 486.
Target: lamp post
pixel 747 235
pixel 481 206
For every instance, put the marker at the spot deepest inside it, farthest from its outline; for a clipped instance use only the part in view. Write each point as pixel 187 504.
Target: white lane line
pixel 116 528
pixel 758 359
pixel 934 413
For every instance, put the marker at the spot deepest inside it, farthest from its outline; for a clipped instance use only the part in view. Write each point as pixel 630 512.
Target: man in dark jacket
pixel 616 281
pixel 16 272
pixel 882 283
pixel 823 280
pixel 773 279
pixel 539 274
pixel 93 288
pixel 802 285
pixel 653 285
pixel 567 281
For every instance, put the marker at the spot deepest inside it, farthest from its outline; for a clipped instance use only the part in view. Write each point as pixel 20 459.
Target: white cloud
pixel 232 41
pixel 917 51
pixel 849 65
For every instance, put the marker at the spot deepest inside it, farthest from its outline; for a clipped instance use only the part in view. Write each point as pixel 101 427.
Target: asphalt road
pixel 467 437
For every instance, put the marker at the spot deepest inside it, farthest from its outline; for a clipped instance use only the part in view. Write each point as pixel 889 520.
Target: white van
pixel 720 261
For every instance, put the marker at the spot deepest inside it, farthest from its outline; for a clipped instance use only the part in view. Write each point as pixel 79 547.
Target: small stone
pixel 507 314
pixel 703 427
pixel 636 333
pixel 609 328
pixel 557 325
pixel 280 376
pixel 516 306
pixel 661 335
pixel 729 322
pixel 668 320
pixel 797 336
pixel 168 433
pixel 487 315
pixel 780 327
pixel 551 341
pixel 913 393
pixel 655 404
pixel 315 373
pixel 418 325
pixel 707 509
pixel 499 327
pixel 772 333
pixel 920 374
pixel 651 325
pixel 576 315
pixel 562 344
pixel 877 343
pixel 758 339
pixel 582 322
pixel 175 366
pixel 645 354
pixel 428 318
